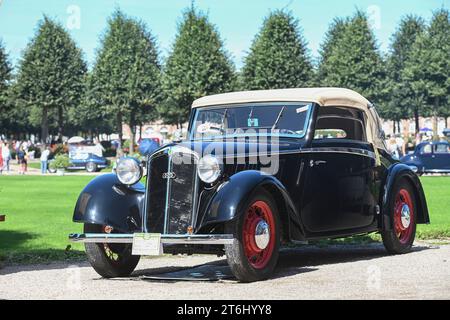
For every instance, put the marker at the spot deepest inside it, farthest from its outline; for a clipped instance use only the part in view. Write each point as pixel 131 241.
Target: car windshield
pixel 281 119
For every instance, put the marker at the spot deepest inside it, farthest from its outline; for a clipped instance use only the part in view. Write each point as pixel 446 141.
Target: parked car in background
pixel 258 169
pixel 429 157
pixel 88 161
pixel 446 132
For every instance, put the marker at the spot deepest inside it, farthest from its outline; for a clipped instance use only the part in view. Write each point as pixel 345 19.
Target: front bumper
pixel 165 238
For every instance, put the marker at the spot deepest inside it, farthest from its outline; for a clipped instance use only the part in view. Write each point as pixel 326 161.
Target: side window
pixel 426 149
pixel 340 123
pixel 442 148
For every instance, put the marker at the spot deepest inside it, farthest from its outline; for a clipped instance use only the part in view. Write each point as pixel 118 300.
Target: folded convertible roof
pixel 321 96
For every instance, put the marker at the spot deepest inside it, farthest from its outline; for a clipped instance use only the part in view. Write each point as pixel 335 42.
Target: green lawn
pixel 39 216
pixel 437 192
pixel 37 165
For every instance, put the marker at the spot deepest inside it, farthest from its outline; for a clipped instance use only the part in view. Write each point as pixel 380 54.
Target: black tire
pixel 237 259
pixel 91 167
pixel 394 240
pixel 100 256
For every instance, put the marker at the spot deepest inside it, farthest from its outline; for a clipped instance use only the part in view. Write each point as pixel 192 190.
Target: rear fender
pixel 396 172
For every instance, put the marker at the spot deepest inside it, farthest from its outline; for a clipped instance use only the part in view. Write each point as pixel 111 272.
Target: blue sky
pixel 237 20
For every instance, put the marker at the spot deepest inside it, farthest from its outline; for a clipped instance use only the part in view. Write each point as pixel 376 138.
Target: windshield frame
pixel 195 114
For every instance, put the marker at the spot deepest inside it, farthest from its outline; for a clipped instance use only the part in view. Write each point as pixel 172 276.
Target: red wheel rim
pixel 403 216
pixel 257 212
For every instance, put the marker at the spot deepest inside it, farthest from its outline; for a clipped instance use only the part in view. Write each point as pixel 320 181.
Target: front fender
pixel 106 201
pixel 395 172
pixel 228 202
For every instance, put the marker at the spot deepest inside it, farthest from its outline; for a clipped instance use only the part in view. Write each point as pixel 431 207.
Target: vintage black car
pixel 429 157
pixel 259 169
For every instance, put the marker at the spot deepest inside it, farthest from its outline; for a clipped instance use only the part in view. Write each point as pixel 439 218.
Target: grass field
pixel 39 216
pixel 37 165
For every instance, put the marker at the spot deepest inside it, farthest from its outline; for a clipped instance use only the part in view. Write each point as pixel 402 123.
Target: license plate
pixel 147 244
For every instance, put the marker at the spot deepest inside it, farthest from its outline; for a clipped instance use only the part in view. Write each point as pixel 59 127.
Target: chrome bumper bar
pixel 165 238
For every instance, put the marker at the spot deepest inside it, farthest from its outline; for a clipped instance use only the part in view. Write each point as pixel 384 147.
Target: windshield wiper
pixel 280 114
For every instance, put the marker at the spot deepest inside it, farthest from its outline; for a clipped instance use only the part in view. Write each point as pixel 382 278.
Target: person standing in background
pixel 401 145
pixel 44 159
pixel 6 155
pixel 22 159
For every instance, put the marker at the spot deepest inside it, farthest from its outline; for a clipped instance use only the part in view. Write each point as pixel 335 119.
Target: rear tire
pixel 250 259
pixel 403 213
pixel 110 260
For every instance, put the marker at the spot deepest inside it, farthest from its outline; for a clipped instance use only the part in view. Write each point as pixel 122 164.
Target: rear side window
pixel 340 123
pixel 442 148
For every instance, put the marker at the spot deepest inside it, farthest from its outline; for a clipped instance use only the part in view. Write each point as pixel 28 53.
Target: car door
pixel 338 192
pixel 441 157
pixel 427 157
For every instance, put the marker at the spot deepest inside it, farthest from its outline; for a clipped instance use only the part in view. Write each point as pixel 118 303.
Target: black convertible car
pixel 259 169
pixel 429 157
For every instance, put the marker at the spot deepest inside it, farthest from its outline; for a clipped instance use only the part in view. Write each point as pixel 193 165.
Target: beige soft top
pixel 322 96
pixel 337 97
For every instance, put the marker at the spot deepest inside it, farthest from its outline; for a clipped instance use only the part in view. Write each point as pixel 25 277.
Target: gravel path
pixel 336 272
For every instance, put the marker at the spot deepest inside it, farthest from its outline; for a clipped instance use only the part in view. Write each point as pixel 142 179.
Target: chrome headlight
pixel 209 169
pixel 128 170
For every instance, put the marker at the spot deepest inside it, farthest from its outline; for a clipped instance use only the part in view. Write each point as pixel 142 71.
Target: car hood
pixel 239 147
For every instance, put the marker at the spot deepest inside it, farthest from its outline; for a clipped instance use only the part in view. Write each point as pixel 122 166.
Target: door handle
pixel 312 163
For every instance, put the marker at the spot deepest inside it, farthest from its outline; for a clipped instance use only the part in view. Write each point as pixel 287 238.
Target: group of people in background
pixel 22 155
pixel 398 146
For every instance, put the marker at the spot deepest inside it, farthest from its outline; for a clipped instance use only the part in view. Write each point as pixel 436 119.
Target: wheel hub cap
pixel 405 216
pixel 262 234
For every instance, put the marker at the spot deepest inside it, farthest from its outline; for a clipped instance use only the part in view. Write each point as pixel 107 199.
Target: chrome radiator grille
pixel 171 192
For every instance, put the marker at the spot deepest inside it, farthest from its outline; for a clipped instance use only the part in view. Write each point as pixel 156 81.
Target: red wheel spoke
pixel 257 212
pixel 403 201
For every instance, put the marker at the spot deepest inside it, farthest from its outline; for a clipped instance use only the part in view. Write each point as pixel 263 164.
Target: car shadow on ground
pixel 292 261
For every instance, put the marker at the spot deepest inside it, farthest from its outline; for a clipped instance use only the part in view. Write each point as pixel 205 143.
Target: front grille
pixel 172 190
pixel 156 193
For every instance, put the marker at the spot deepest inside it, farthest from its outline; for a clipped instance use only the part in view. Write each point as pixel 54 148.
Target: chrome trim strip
pixel 165 238
pixel 355 151
pixel 145 208
pixel 168 185
pixel 436 170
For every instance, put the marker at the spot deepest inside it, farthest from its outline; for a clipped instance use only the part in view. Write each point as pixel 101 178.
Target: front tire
pixel 403 211
pixel 110 260
pixel 254 253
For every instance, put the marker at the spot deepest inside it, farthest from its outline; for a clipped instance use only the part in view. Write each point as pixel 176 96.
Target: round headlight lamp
pixel 209 169
pixel 128 170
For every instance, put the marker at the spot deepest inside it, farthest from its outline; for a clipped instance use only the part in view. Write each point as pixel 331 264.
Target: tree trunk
pixel 132 132
pixel 416 119
pixel 119 152
pixel 60 123
pixel 435 118
pixel 44 124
